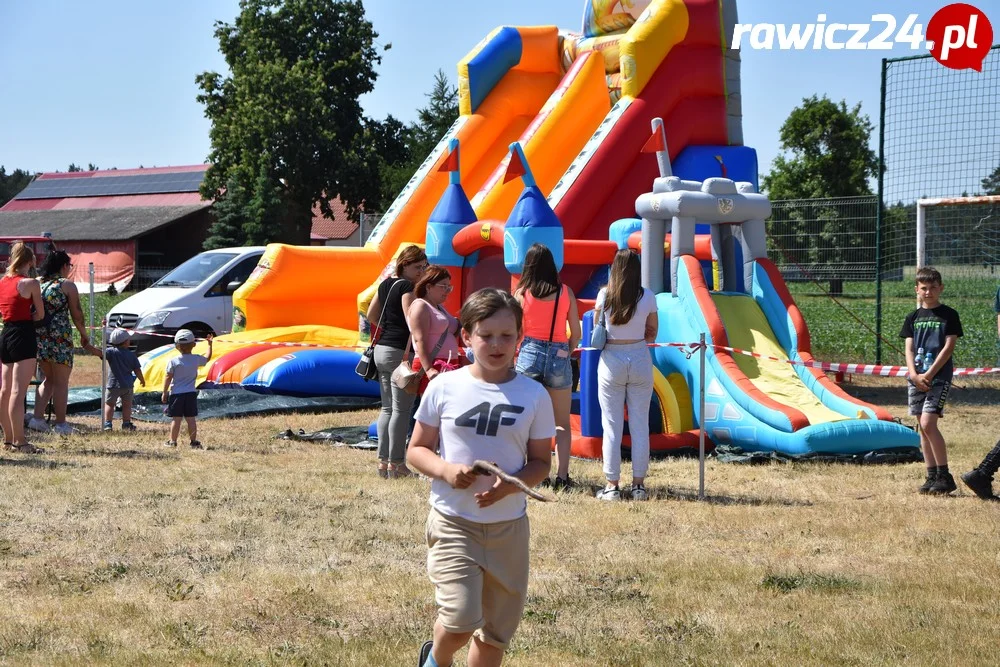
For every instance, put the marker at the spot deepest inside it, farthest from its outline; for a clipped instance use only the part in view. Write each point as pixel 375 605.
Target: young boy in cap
pixel 179 392
pixel 125 370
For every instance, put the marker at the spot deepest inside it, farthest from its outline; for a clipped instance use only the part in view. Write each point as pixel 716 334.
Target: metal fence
pixel 855 286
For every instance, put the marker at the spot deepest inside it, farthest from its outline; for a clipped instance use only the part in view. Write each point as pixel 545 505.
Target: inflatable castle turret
pixel 531 220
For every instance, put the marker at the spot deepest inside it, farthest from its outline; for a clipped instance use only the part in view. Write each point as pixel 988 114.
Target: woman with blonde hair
pixel 20 306
pixel 549 307
pixel 625 371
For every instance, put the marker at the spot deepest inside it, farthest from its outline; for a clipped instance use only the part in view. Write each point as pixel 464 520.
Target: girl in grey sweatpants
pixel 625 376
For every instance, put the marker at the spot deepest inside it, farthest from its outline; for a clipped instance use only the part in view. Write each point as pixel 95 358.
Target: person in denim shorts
pixel 549 307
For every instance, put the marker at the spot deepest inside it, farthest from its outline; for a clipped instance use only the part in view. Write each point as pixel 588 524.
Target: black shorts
pixel 183 405
pixel 930 402
pixel 18 342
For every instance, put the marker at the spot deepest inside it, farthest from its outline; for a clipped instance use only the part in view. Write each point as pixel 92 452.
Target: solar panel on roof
pixel 107 186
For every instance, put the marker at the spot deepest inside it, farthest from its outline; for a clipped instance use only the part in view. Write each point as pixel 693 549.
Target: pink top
pixel 538 317
pixel 441 322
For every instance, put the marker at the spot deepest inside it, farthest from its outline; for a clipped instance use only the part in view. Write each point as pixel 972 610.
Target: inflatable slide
pixel 580 106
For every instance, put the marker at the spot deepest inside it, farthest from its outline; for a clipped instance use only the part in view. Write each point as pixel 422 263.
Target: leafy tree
pixel 73 168
pixel 830 155
pixel 991 184
pixel 290 108
pixel 12 183
pixel 92 167
pixel 419 138
pixel 827 154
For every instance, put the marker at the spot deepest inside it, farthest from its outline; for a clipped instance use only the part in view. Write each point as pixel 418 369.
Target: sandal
pixel 27 448
pixel 9 447
pixel 383 470
pixel 399 471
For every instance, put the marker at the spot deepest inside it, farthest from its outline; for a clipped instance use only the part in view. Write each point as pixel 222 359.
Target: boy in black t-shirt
pixel 931 332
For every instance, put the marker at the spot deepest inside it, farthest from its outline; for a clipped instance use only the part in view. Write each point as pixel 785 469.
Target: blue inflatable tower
pixel 531 220
pixel 452 213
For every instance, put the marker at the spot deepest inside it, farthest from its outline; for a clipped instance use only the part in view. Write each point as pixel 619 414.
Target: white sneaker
pixel 611 494
pixel 639 492
pixel 36 424
pixel 63 429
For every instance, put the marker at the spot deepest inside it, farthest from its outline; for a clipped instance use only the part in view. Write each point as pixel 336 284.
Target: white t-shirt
pixel 185 371
pixel 489 422
pixel 634 329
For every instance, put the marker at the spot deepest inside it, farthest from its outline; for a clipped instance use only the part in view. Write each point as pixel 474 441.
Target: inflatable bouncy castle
pixel 570 114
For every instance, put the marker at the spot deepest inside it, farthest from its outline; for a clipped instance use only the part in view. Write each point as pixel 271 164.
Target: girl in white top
pixel 625 371
pixel 477 531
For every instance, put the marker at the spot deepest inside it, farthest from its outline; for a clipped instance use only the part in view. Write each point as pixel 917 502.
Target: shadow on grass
pixel 661 493
pixel 123 454
pixel 37 464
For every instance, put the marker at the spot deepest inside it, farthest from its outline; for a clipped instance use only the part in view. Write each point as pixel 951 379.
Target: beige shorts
pixel 114 393
pixel 480 575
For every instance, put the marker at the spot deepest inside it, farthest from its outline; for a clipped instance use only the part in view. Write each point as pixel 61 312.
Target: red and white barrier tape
pixel 690 348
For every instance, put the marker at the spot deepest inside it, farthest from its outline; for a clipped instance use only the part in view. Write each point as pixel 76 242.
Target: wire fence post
pixel 878 216
pixel 701 421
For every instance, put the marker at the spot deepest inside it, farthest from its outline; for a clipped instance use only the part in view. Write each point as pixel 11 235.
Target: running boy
pixel 931 332
pixel 125 370
pixel 179 392
pixel 477 530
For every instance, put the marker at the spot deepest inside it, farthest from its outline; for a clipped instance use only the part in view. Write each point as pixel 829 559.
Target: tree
pixel 12 183
pixel 230 212
pixel 991 184
pixel 290 108
pixel 434 120
pixel 830 151
pixel 417 139
pixel 827 154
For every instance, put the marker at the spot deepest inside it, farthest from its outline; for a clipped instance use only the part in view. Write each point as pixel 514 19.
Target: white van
pixel 197 295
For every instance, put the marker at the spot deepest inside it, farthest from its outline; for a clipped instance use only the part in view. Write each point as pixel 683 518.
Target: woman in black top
pixel 387 313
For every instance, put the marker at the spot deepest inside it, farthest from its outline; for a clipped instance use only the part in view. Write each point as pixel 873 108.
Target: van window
pixel 238 273
pixel 194 271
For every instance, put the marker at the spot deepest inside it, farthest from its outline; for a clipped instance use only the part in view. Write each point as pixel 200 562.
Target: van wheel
pixel 200 329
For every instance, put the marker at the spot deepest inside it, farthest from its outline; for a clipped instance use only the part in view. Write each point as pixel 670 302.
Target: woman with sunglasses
pixel 55 341
pixel 434 329
pixel 387 315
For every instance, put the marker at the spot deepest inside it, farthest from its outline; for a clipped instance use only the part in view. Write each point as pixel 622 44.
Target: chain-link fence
pixel 826 251
pixel 940 137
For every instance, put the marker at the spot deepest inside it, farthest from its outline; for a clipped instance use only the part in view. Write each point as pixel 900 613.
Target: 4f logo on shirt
pixel 487 419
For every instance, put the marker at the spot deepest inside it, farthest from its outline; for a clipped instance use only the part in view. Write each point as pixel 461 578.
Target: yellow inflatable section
pixel 748 329
pixel 154 363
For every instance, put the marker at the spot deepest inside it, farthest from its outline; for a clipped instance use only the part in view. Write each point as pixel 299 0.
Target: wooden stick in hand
pixel 493 469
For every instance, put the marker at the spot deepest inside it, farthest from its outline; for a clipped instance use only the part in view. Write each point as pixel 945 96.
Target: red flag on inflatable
pixel 450 163
pixel 514 168
pixel 654 143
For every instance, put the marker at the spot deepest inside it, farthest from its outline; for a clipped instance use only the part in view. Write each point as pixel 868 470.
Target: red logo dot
pixel 961 35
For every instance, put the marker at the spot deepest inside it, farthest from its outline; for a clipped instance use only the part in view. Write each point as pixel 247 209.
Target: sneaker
pixel 610 493
pixel 563 484
pixel 639 492
pixel 170 443
pixel 425 652
pixel 944 484
pixel 108 426
pixel 63 429
pixel 928 483
pixel 128 426
pixel 36 424
pixel 196 444
pixel 981 485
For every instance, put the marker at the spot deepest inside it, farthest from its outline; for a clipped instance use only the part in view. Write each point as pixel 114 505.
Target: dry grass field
pixel 116 550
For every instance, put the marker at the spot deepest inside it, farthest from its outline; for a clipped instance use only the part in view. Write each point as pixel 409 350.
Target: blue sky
pixel 112 82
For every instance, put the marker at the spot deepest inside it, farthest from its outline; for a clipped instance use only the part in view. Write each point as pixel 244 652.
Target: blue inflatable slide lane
pixel 756 404
pixel 311 372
